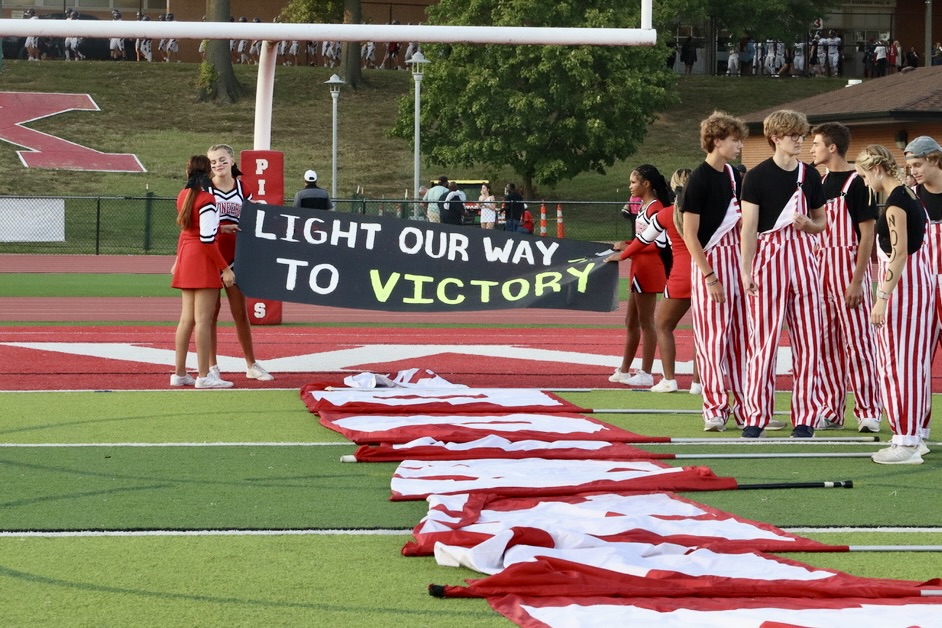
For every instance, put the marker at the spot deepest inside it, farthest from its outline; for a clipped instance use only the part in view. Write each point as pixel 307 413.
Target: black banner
pixel 378 263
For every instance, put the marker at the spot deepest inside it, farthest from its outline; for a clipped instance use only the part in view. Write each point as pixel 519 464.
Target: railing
pixel 145 225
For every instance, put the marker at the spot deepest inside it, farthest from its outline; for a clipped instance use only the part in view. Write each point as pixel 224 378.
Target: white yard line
pixel 249 444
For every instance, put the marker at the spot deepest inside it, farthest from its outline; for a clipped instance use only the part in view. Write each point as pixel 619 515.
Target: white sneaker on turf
pixel 619 377
pixel 182 380
pixel 714 424
pixel 696 388
pixel 828 424
pixel 923 448
pixel 640 379
pixel 775 425
pixel 257 372
pixel 212 382
pixel 868 425
pixel 665 386
pixel 898 454
pixel 214 371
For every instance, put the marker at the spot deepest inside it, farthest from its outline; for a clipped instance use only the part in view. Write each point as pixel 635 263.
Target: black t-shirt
pixel 861 204
pixel 770 187
pixel 932 202
pixel 915 221
pixel 708 194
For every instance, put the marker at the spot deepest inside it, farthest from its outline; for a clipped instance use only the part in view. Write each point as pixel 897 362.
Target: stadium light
pixel 334 83
pixel 417 62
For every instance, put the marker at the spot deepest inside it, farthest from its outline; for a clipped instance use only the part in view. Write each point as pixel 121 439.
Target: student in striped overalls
pixel 844 252
pixel 711 218
pixel 903 310
pixel 924 158
pixel 782 210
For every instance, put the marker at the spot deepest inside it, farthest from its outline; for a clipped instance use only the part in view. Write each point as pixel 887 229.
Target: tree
pixel 217 80
pixel 548 112
pixel 331 12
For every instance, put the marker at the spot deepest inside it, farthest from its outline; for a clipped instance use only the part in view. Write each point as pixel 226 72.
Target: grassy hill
pixel 151 110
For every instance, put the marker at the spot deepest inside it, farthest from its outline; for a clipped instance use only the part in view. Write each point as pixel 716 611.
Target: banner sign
pixel 379 263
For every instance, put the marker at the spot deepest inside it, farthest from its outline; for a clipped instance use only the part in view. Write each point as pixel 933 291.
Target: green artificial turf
pixel 353 578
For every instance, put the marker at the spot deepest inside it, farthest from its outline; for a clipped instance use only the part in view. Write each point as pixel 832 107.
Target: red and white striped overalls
pixel 905 347
pixel 933 254
pixel 847 338
pixel 785 272
pixel 719 329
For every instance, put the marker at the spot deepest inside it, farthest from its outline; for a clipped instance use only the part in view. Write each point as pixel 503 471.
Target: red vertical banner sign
pixel 264 173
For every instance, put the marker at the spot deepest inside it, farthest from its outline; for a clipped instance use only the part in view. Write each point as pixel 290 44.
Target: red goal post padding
pixel 263 172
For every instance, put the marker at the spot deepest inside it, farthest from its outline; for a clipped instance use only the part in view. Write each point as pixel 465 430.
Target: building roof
pixel 910 96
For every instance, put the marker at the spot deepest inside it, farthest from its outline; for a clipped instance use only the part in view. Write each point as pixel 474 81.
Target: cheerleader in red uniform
pixel 198 272
pixel 230 192
pixel 676 301
pixel 647 278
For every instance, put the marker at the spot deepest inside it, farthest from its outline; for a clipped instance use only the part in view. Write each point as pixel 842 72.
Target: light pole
pixel 417 62
pixel 334 83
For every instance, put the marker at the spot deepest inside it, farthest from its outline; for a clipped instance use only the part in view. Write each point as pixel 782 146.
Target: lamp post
pixel 334 83
pixel 417 62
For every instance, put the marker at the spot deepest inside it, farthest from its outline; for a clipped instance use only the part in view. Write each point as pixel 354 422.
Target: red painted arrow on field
pixel 49 151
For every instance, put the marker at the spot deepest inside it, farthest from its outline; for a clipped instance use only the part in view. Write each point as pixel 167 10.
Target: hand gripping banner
pixel 379 263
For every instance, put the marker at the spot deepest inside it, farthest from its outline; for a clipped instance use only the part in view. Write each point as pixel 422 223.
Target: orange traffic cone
pixel 560 228
pixel 543 219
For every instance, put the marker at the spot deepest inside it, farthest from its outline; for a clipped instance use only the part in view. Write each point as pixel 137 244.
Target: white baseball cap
pixel 310 176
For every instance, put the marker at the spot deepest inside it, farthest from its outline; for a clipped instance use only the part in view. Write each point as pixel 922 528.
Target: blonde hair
pixel 877 156
pixel 719 126
pixel 783 123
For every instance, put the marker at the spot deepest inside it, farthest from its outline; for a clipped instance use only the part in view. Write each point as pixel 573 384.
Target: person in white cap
pixel 924 158
pixel 311 196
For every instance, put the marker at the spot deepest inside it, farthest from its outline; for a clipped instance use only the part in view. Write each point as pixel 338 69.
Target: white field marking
pixel 350 359
pixel 368 532
pixel 91 533
pixel 237 444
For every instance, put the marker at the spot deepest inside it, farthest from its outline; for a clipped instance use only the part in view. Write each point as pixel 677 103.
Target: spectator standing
pixel 748 56
pixel 912 58
pixel 513 208
pixel 488 207
pixel 880 59
pixel 433 199
pixel 843 253
pixel 903 308
pixel 892 56
pixel 900 55
pixel 732 62
pixel 452 209
pixel 937 53
pixel 783 208
pixel 688 55
pixel 311 196
pixel 647 277
pixel 199 271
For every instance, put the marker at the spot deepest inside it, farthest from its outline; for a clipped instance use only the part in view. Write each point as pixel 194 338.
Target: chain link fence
pixel 146 225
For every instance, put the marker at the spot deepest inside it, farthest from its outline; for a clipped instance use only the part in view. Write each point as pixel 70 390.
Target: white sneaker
pixel 898 454
pixel 923 448
pixel 212 382
pixel 696 388
pixel 257 372
pixel 181 380
pixel 214 371
pixel 619 377
pixel 640 379
pixel 665 386
pixel 827 424
pixel 714 424
pixel 775 425
pixel 868 425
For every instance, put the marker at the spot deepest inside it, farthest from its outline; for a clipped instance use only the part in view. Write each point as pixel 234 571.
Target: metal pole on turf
pixel 837 440
pixel 837 484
